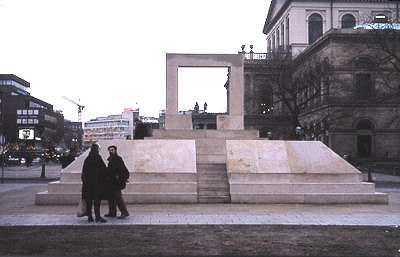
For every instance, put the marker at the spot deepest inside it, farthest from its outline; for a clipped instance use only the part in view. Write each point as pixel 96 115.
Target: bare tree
pixel 295 91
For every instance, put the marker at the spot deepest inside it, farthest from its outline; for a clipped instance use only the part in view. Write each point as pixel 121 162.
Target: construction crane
pixel 80 107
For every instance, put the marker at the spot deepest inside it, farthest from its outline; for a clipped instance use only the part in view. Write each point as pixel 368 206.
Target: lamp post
pixel 2 141
pixel 299 131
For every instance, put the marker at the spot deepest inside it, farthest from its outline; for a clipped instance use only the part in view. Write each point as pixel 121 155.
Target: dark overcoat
pixel 117 172
pixel 140 131
pixel 94 178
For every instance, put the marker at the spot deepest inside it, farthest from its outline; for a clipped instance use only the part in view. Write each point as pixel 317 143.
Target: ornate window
pixel 314 27
pixel 348 21
pixel 266 101
pixel 381 18
pixel 287 31
pixel 363 86
pixel 365 125
pixel 273 41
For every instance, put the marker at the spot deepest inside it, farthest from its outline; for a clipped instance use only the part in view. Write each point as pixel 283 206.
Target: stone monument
pixel 229 164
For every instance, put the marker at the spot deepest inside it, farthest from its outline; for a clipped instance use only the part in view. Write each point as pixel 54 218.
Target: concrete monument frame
pixel 234 120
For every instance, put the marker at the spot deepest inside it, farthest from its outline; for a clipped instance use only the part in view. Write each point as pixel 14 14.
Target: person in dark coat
pixel 93 183
pixel 140 130
pixel 117 176
pixel 67 160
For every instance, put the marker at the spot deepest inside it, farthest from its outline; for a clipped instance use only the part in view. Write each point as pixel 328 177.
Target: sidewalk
pixel 52 172
pixel 285 230
pixel 17 208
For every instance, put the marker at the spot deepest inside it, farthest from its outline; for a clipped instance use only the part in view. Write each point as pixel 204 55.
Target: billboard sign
pixel 26 134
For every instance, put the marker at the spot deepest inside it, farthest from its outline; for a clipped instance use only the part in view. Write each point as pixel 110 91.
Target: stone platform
pixel 263 171
pixel 212 166
pixel 160 171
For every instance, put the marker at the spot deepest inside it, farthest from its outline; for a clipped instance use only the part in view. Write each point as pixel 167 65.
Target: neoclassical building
pixel 299 23
pixel 355 111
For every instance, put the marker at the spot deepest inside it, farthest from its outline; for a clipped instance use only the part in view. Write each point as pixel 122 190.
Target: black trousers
pixel 96 208
pixel 115 201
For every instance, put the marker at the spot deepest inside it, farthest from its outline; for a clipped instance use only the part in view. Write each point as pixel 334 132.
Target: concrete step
pixel 213 167
pixel 220 187
pixel 213 194
pixel 44 198
pixel 213 199
pixel 210 179
pixel 271 178
pixel 373 198
pixel 140 177
pixel 310 188
pixel 213 184
pixel 211 146
pixel 135 187
pixel 208 158
pixel 163 177
pixel 205 133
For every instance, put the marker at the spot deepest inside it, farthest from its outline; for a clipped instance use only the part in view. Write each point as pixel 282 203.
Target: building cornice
pixel 271 21
pixel 347 34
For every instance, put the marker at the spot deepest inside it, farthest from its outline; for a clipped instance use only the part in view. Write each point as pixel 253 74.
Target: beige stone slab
pixel 268 198
pixel 148 155
pixel 315 157
pixel 178 122
pixel 210 146
pixel 162 177
pixel 211 158
pixel 230 122
pixel 274 156
pixel 376 198
pixel 67 188
pixel 166 187
pixel 294 178
pixel 256 156
pixel 300 188
pixel 44 198
pixel 204 133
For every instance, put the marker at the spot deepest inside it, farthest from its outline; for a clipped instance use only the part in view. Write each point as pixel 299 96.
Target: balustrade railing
pixel 255 56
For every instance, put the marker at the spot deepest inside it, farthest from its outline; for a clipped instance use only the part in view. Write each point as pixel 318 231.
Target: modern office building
pixel 73 133
pixel 24 119
pixel 118 126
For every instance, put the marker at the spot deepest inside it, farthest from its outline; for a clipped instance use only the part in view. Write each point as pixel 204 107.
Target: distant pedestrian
pixel 205 106
pixel 140 130
pixel 196 107
pixel 29 159
pixel 93 183
pixel 117 176
pixel 68 159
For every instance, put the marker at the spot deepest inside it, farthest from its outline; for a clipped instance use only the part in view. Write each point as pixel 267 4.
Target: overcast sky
pixel 111 54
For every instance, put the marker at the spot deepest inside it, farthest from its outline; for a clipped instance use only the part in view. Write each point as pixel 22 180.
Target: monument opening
pixel 202 90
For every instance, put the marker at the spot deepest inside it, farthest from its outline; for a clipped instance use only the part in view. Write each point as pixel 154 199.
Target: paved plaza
pixel 204 229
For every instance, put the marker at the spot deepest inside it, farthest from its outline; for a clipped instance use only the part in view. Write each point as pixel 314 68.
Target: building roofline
pixel 15 78
pixel 332 34
pixel 271 21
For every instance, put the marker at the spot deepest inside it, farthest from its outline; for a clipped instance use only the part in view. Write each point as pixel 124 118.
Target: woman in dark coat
pixel 93 183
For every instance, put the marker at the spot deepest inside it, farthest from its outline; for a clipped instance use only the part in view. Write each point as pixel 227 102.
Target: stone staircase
pixel 212 183
pixel 212 176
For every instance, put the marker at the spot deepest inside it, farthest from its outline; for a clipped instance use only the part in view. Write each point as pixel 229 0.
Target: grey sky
pixel 111 54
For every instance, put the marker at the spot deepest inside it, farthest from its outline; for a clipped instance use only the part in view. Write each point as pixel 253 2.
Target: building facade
pixel 297 24
pixel 26 120
pixel 119 126
pixel 73 133
pixel 357 110
pixel 355 103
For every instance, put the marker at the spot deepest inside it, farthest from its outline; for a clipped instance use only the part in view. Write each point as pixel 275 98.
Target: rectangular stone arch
pixel 234 120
